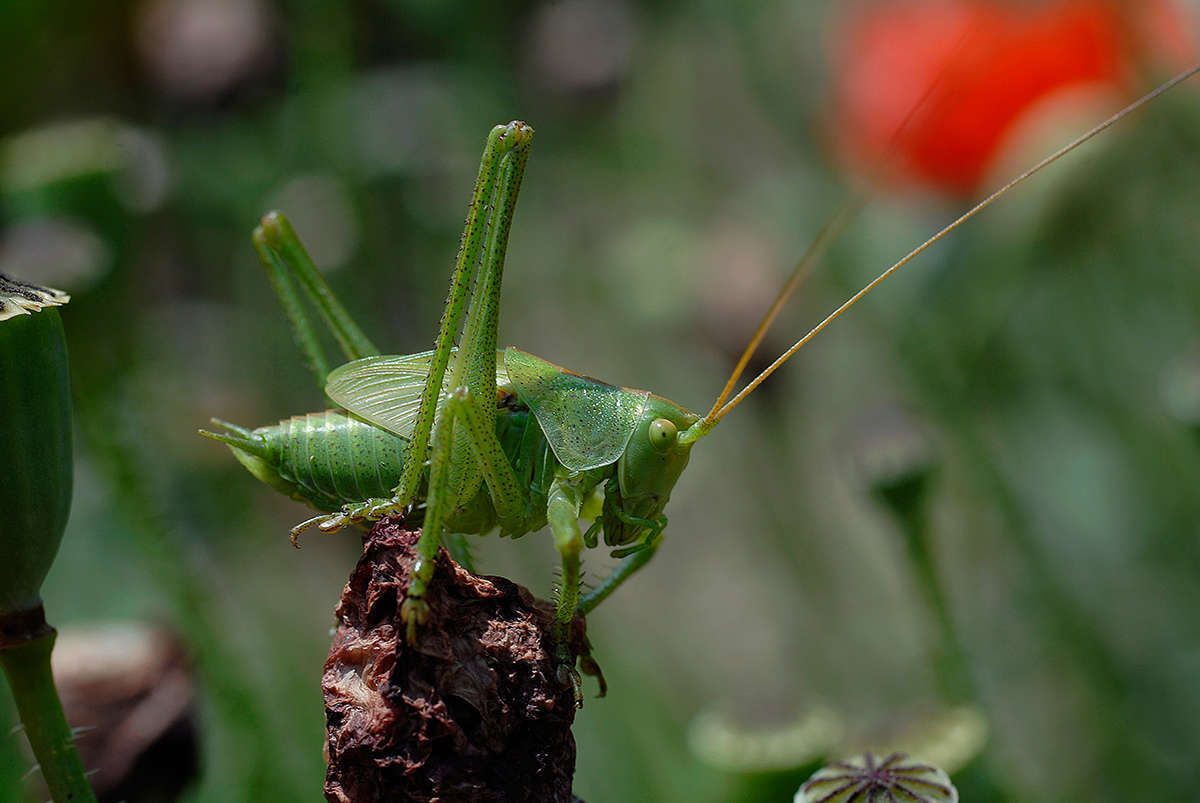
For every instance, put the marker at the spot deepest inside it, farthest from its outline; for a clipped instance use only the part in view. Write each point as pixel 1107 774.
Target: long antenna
pixel 712 418
pixel 825 237
pixel 830 231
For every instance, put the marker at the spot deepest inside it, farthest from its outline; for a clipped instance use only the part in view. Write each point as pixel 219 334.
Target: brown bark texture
pixel 474 711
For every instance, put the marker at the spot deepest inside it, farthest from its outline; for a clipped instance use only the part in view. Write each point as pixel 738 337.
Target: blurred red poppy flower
pixel 929 90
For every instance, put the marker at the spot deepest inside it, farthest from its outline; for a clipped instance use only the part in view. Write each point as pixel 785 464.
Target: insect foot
pixel 473 711
pixel 368 510
pixel 382 508
pixel 568 675
pixel 414 612
pixel 577 647
pixel 329 523
pixel 336 521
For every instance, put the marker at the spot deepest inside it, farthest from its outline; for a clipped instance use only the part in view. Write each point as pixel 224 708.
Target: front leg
pixel 623 572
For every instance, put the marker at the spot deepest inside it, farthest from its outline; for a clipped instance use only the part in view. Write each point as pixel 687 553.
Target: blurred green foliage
pixel 680 167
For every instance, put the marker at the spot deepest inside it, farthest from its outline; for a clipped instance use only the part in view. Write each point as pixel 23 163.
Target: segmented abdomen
pixel 332 458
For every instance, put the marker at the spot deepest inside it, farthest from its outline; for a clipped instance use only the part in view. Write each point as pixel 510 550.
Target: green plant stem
pixel 953 671
pixel 952 666
pixel 25 644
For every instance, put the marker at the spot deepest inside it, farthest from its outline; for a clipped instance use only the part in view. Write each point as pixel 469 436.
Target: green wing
pixel 587 422
pixel 386 389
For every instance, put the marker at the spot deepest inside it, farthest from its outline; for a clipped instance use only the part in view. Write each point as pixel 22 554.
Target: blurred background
pixel 963 522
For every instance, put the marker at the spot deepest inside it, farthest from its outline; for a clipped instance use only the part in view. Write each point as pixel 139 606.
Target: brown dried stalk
pixel 474 711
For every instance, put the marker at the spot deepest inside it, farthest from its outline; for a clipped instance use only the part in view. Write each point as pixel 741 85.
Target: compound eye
pixel 662 434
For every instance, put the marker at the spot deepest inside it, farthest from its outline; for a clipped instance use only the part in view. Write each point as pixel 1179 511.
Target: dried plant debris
pixel 474 711
pixel 867 779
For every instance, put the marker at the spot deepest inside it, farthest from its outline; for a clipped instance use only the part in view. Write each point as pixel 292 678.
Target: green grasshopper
pixel 477 439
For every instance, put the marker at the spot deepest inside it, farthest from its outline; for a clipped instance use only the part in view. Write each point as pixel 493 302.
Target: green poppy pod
pixel 35 440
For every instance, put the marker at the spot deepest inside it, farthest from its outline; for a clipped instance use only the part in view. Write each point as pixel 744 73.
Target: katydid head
pixel 647 470
pixel 591 424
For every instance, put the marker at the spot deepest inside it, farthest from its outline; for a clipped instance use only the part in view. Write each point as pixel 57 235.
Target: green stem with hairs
pixel 25 644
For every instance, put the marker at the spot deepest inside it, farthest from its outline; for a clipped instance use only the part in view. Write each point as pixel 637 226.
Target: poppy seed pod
pixel 35 440
pixel 869 779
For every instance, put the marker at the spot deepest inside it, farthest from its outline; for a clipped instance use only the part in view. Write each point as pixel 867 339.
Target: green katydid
pixel 479 439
